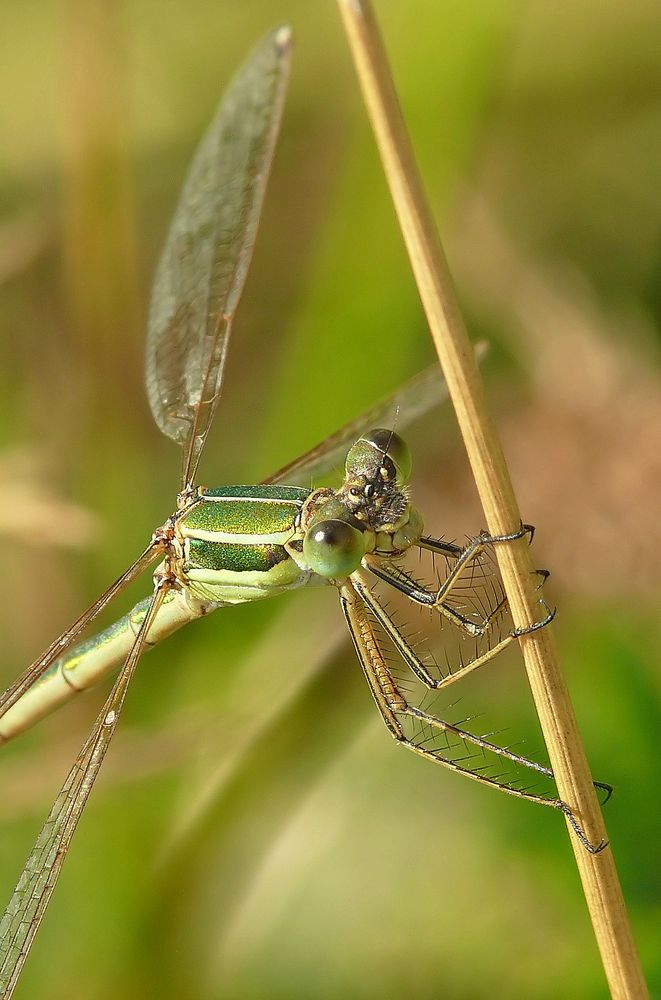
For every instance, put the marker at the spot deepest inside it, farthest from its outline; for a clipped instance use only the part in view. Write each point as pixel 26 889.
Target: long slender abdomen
pixel 85 664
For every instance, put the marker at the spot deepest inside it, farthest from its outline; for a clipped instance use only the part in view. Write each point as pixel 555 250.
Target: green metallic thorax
pixel 234 539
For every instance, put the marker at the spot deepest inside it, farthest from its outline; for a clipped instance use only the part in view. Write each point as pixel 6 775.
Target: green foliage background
pixel 254 833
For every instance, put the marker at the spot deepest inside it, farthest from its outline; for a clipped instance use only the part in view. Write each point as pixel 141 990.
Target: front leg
pixel 464 558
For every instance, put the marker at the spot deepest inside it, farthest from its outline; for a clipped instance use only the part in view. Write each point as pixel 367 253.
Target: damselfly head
pixel 377 468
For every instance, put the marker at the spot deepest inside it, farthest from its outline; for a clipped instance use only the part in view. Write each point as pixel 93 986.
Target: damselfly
pixel 243 543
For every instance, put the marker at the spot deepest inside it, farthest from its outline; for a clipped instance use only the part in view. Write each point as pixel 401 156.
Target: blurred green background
pixel 255 833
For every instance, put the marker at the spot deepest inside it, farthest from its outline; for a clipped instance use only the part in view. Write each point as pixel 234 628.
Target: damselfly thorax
pixel 243 543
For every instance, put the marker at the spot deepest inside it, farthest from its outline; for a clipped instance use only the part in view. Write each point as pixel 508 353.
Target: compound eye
pixel 380 449
pixel 333 548
pixel 399 454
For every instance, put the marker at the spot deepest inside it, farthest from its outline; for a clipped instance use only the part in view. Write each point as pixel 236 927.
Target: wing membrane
pixel 408 403
pixel 204 264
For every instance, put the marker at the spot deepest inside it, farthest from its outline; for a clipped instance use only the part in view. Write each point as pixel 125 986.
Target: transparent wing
pixel 35 886
pixel 409 402
pixel 204 264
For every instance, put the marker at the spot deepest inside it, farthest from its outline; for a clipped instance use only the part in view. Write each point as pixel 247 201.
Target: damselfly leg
pixel 427 733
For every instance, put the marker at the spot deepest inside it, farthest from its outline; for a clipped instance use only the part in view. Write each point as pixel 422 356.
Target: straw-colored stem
pixel 597 871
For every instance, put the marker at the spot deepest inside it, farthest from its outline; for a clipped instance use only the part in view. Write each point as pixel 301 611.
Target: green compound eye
pixel 380 448
pixel 333 548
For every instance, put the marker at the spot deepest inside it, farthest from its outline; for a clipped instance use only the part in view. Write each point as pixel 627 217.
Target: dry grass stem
pixel 598 873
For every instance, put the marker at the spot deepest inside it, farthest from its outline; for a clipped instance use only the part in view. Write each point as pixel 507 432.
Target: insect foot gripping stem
pixel 526 529
pixel 603 786
pixel 546 620
pixel 573 822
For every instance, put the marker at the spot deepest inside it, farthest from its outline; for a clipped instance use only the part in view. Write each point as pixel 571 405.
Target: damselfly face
pixel 378 467
pixel 369 514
